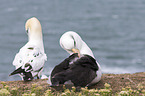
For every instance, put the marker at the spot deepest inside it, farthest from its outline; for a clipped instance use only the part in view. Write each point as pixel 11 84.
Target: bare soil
pixel 117 82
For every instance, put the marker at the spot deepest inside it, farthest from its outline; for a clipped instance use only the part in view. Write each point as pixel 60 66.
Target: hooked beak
pixel 76 51
pixel 17 71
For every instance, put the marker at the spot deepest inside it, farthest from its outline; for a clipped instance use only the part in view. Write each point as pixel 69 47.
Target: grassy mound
pixel 110 85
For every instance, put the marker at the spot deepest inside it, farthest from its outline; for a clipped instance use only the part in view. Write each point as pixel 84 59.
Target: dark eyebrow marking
pixel 31 48
pixel 74 41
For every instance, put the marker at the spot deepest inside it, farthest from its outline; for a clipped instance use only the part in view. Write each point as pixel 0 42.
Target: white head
pixel 34 31
pixel 73 43
pixel 33 28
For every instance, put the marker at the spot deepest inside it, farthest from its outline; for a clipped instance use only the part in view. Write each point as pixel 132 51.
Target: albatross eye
pixel 27 31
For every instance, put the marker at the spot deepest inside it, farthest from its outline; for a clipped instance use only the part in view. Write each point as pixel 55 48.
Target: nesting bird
pixel 30 59
pixel 80 67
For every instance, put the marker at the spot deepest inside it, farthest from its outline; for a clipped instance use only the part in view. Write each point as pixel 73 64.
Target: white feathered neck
pixel 71 40
pixel 34 30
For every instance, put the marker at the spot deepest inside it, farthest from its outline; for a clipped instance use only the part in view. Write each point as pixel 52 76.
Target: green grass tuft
pixel 37 90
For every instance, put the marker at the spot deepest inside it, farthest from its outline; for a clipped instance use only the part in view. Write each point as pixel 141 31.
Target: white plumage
pixel 31 57
pixel 72 43
pixel 71 40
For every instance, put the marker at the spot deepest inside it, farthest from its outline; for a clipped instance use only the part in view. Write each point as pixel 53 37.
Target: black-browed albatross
pixel 80 67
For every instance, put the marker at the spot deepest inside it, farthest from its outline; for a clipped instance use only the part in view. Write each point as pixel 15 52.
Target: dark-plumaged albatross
pixel 80 67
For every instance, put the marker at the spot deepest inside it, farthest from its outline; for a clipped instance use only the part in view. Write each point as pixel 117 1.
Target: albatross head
pixel 33 28
pixel 72 43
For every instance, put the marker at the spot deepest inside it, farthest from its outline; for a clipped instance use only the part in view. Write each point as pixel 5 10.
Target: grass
pixel 36 90
pixel 110 85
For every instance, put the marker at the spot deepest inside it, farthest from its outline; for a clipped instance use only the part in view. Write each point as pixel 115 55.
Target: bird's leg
pixel 55 84
pixel 38 77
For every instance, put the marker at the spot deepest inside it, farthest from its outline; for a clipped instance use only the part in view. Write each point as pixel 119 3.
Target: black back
pixel 81 72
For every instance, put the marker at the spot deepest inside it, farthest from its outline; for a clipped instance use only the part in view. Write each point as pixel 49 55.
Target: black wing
pixel 64 65
pixel 81 72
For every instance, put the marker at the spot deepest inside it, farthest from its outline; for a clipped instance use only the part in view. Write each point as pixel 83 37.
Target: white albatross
pixel 80 67
pixel 30 59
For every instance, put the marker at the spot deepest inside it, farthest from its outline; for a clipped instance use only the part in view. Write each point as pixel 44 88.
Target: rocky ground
pixel 116 81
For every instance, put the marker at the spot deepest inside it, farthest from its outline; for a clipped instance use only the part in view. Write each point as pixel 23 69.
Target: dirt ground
pixel 117 82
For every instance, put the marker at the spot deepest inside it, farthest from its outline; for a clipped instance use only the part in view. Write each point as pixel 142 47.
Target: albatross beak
pixel 76 51
pixel 19 70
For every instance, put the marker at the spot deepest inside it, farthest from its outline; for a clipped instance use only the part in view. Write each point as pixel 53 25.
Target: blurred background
pixel 113 29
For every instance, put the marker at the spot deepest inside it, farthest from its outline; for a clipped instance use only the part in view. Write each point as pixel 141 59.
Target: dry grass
pixel 111 84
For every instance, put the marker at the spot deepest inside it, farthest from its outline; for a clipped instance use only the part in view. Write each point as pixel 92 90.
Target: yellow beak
pixel 76 51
